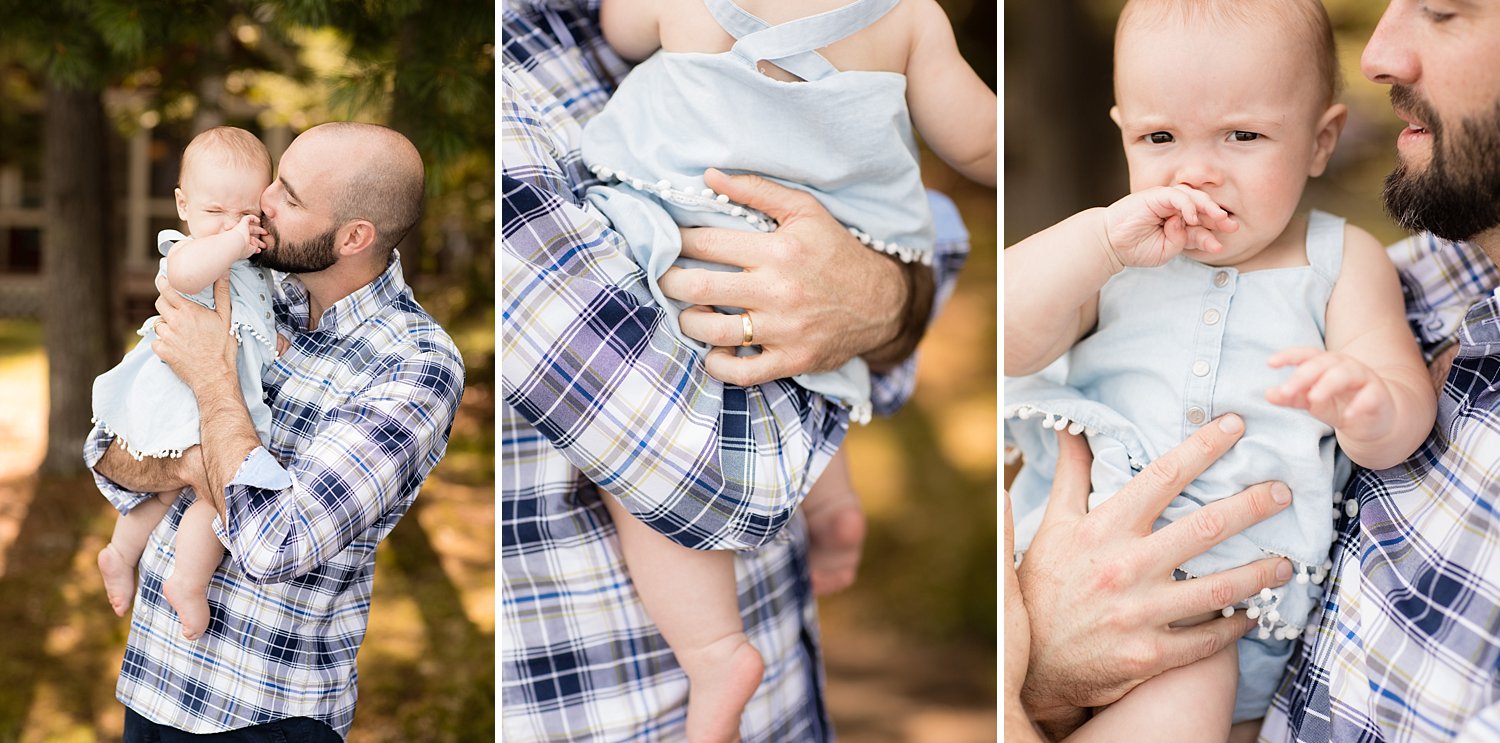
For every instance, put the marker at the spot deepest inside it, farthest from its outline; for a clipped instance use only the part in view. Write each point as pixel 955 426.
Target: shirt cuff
pixel 261 470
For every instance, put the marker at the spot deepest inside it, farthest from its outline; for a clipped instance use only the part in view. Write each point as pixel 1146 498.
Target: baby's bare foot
pixel 723 676
pixel 119 578
pixel 191 603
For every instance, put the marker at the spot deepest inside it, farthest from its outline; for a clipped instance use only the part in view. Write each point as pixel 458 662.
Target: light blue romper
pixel 143 403
pixel 1176 347
pixel 844 137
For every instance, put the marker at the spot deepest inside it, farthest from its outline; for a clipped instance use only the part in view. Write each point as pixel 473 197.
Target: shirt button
pixel 1221 278
pixel 1211 317
pixel 1195 415
pixel 1200 369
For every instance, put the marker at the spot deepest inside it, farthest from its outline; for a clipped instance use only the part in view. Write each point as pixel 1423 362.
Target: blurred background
pixel 97 100
pixel 910 648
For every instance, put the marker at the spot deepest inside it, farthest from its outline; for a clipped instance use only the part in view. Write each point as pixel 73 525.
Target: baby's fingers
pixel 1294 391
pixel 1292 356
pixel 1339 382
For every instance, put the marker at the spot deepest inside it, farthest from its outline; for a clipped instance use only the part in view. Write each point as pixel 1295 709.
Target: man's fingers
pixel 716 329
pixel 716 245
pixel 743 371
pixel 1183 645
pixel 779 202
pixel 1070 485
pixel 1144 497
pixel 1191 536
pixel 221 297
pixel 706 287
pixel 1211 593
pixel 1010 530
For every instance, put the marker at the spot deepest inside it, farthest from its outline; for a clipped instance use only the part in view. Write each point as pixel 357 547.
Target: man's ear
pixel 356 237
pixel 181 204
pixel 1326 137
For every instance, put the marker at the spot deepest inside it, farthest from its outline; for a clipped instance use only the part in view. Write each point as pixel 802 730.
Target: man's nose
pixel 1388 58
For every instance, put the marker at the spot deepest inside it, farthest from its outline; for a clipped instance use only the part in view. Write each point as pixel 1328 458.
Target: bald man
pixel 362 401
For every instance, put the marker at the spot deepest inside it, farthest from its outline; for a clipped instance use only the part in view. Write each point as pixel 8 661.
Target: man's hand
pixel 192 340
pixel 1017 641
pixel 1098 584
pixel 817 297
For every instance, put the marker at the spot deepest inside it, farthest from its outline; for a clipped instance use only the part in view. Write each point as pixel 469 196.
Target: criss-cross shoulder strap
pixel 791 45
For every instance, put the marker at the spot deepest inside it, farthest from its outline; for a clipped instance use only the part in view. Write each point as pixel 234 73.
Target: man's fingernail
pixel 1231 424
pixel 1284 571
pixel 1281 493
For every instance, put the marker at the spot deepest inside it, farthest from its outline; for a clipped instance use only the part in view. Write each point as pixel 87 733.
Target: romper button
pixel 1211 317
pixel 1200 369
pixel 1196 416
pixel 1221 278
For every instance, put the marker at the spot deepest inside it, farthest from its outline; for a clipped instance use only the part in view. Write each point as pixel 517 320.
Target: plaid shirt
pixel 1408 647
pixel 361 409
pixel 597 390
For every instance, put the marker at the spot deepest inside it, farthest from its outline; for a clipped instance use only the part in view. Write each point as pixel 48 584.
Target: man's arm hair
pixel 920 286
pixel 145 475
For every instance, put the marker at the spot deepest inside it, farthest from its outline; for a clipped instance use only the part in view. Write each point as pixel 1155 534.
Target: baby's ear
pixel 181 204
pixel 1114 114
pixel 1326 137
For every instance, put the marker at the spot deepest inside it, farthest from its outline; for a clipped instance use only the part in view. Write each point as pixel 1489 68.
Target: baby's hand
pixel 282 344
pixel 1150 227
pixel 1336 389
pixel 249 228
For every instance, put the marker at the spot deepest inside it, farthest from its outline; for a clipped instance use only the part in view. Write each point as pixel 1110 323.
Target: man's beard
pixel 1457 196
pixel 308 256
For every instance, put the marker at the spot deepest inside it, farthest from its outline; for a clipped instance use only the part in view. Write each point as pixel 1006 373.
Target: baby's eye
pixel 1244 136
pixel 1159 138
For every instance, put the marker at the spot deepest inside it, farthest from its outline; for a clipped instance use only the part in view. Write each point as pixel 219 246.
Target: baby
pixel 152 412
pixel 1191 297
pixel 818 95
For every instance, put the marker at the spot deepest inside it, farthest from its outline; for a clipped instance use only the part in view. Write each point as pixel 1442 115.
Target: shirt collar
pixel 1479 335
pixel 346 314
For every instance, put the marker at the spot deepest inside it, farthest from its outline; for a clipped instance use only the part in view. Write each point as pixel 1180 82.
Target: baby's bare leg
pixel 118 559
pixel 1191 703
pixel 692 597
pixel 836 528
pixel 199 553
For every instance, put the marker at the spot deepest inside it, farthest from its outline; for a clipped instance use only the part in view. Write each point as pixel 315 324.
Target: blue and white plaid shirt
pixel 1408 647
pixel 597 390
pixel 361 409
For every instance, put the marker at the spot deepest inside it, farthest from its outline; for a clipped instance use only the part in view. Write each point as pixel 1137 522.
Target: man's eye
pixel 1159 138
pixel 1244 136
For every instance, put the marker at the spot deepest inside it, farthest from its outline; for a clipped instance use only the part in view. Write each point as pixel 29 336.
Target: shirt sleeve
pixel 1440 280
pixel 366 462
pixel 590 362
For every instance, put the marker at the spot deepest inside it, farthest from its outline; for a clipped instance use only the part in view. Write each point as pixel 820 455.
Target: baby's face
pixel 1232 112
pixel 215 196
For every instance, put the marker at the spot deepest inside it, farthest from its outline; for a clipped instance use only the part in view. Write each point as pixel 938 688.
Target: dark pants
pixel 291 730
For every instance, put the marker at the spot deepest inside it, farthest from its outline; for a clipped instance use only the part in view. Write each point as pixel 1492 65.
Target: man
pixel 597 390
pixel 1406 648
pixel 362 401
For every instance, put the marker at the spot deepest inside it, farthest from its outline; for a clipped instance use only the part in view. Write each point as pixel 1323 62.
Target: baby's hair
pixel 228 145
pixel 1306 18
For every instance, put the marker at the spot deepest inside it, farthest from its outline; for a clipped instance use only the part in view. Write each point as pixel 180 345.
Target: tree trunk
pixel 75 266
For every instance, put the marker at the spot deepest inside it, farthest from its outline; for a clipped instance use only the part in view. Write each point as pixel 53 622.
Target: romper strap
pixel 792 45
pixel 1325 244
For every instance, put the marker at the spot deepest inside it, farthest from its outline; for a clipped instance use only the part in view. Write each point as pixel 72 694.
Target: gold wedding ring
pixel 748 327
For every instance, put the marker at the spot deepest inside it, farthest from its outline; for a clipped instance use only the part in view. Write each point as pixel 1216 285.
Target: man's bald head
pixel 383 177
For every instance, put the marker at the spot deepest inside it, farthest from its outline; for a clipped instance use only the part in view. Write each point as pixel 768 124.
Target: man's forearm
pixel 227 434
pixel 145 475
pixel 911 324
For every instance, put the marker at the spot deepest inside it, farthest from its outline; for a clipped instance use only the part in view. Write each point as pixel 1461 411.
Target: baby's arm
pixel 1371 384
pixel 1053 278
pixel 951 107
pixel 631 27
pixel 195 263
